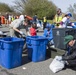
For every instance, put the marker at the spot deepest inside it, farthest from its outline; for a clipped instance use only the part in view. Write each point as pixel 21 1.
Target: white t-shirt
pixel 16 23
pixel 65 20
pixel 10 17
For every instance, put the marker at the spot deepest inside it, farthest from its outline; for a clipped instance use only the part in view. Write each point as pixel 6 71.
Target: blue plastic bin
pixel 11 52
pixel 36 46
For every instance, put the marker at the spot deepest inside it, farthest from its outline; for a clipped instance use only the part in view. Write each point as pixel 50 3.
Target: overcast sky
pixel 63 4
pixel 10 2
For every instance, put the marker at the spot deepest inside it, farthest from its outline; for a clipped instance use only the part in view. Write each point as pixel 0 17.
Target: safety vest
pixel 44 20
pixel 58 19
pixel 13 19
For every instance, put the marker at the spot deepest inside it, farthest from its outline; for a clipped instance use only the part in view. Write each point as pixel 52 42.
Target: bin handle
pixel 29 46
pixel 1 45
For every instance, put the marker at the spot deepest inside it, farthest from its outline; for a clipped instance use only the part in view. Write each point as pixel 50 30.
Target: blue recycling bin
pixel 11 52
pixel 36 46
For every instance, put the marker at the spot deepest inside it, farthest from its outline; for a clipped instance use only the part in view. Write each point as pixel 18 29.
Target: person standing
pixel 10 18
pixel 35 18
pixel 48 33
pixel 58 17
pixel 7 19
pixel 44 22
pixel 65 22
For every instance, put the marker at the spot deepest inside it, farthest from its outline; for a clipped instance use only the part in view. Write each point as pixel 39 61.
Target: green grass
pixel 50 21
pixel 73 21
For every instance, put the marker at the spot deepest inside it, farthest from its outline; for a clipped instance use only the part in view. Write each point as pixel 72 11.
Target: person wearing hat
pixel 58 17
pixel 48 33
pixel 70 58
pixel 68 39
pixel 65 23
pixel 35 18
pixel 16 26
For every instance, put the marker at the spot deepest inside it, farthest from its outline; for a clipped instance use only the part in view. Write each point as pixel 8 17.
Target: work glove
pixel 66 62
pixel 51 42
pixel 72 24
pixel 23 35
pixel 21 32
pixel 59 58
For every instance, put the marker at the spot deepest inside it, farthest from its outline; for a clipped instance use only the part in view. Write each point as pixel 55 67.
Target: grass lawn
pixel 50 21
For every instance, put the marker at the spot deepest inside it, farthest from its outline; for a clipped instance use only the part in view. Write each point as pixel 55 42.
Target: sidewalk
pixel 38 68
pixel 33 68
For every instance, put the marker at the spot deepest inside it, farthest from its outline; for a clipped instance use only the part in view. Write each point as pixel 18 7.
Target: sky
pixel 10 2
pixel 63 4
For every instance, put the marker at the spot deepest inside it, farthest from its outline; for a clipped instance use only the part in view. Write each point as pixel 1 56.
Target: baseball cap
pixel 69 14
pixel 58 9
pixel 68 38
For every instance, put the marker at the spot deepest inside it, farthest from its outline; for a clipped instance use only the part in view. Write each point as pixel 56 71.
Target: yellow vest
pixel 45 20
pixel 13 19
pixel 58 19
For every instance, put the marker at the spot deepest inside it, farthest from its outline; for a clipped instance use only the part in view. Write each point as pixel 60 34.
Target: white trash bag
pixel 57 64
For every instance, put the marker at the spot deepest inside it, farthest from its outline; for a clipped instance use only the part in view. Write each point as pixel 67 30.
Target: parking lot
pixel 32 68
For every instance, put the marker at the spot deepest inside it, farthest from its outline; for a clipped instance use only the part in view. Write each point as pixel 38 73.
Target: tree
pixel 40 7
pixel 72 9
pixel 19 5
pixel 5 8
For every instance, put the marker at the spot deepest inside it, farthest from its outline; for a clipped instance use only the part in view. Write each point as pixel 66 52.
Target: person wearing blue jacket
pixel 48 33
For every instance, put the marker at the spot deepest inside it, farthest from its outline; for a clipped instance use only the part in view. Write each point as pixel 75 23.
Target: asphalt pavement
pixel 32 68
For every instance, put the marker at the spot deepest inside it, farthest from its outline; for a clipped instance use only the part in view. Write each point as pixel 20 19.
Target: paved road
pixel 33 68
